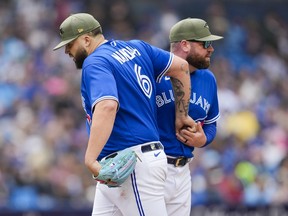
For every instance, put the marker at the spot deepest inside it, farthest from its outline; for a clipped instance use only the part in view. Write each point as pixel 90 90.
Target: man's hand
pixel 94 167
pixel 192 136
pixel 115 170
pixel 183 122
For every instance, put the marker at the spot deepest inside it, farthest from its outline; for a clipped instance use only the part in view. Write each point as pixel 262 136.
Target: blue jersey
pixel 125 72
pixel 203 107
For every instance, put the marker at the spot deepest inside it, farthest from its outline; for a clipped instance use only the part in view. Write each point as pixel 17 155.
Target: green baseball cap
pixel 74 26
pixel 192 29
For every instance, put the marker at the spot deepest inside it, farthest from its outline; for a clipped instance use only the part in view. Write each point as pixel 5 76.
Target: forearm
pixel 181 95
pixel 180 79
pixel 101 128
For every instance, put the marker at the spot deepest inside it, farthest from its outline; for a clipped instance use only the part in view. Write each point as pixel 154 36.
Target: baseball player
pixel 118 90
pixel 190 39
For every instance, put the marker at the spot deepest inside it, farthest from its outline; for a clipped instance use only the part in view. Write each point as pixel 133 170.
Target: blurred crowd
pixel 42 123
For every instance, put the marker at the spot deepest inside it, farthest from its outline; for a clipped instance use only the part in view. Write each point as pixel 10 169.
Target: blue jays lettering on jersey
pixel 203 107
pixel 133 88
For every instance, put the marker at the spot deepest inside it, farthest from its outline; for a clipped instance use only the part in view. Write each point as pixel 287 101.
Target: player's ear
pixel 87 40
pixel 185 45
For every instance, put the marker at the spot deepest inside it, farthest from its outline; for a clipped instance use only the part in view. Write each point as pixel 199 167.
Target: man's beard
pixel 80 56
pixel 198 62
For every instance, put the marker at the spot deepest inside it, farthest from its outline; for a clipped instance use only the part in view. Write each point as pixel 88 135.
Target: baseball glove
pixel 116 170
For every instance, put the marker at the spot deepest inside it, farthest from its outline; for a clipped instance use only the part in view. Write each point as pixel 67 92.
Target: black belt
pixel 179 161
pixel 144 148
pixel 151 147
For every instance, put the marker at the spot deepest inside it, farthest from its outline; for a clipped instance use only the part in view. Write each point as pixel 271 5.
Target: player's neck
pixel 192 68
pixel 98 41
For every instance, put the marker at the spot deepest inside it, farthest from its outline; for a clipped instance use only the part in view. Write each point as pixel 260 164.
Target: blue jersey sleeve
pixel 210 132
pixel 99 82
pixel 213 114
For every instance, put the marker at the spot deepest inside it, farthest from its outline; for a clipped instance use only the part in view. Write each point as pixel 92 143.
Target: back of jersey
pixel 127 72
